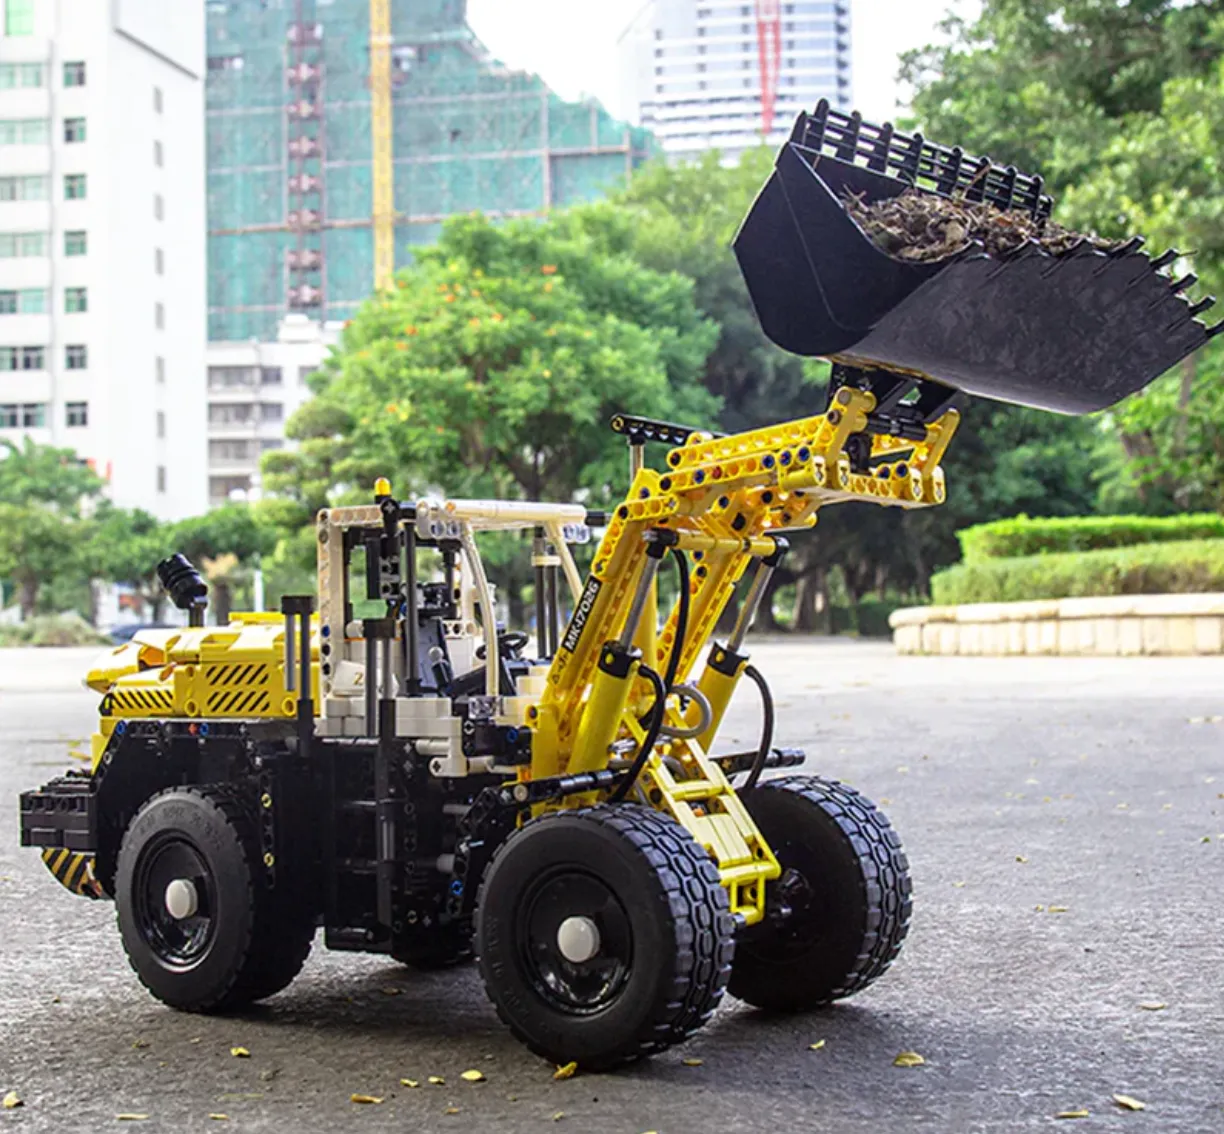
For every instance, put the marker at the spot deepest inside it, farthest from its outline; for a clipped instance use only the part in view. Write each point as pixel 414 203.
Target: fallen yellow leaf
pixel 12 1101
pixel 691 1062
pixel 409 1083
pixel 908 1059
pixel 219 1117
pixel 437 1080
pixel 131 1117
pixel 558 1116
pixel 1128 1103
pixel 392 991
pixel 1153 1005
pixel 816 1046
pixel 959 885
pixel 1059 909
pixel 473 1076
pixel 365 1100
pixel 565 1071
pixel 240 1053
pixel 451 1110
pixel 1072 1114
pixel 1021 858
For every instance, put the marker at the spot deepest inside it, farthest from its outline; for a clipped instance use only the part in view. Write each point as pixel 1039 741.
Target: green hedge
pixel 1004 539
pixel 1184 567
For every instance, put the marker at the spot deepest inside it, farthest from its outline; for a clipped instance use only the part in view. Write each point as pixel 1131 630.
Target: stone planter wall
pixel 1124 625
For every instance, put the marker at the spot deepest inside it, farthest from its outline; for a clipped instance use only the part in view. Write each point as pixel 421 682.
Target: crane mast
pixel 383 215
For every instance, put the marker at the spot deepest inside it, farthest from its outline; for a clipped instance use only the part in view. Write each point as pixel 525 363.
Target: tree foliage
pixel 495 364
pixel 1120 105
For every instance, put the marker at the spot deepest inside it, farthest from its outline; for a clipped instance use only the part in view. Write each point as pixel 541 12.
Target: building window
pixel 158 156
pixel 24 132
pixel 18 17
pixel 29 188
pixel 75 243
pixel 159 261
pixel 10 415
pixel 74 74
pixel 159 369
pixel 74 186
pixel 76 356
pixel 161 423
pixel 231 377
pixel 33 415
pixel 159 316
pixel 19 244
pixel 159 209
pixel 76 300
pixel 33 358
pixel 270 376
pixel 74 129
pixel 161 478
pixel 77 413
pixel 271 411
pixel 17 75
pixel 157 99
pixel 26 301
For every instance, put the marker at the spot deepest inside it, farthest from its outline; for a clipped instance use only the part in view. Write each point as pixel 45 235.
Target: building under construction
pixel 342 132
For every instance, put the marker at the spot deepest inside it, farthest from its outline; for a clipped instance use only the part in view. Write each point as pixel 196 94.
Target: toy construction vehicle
pixel 422 783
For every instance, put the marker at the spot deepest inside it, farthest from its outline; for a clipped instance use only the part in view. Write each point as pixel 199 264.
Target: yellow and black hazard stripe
pixel 73 870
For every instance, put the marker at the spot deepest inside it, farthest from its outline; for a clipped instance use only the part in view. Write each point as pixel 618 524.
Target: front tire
pixel 603 935
pixel 200 930
pixel 841 908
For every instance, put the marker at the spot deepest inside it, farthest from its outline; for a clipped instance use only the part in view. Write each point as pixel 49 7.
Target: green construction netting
pixel 468 133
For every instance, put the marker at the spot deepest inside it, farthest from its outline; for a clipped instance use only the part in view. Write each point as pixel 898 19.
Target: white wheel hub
pixel 182 900
pixel 578 939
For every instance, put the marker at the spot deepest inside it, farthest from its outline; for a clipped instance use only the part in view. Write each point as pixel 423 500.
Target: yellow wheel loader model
pixel 383 760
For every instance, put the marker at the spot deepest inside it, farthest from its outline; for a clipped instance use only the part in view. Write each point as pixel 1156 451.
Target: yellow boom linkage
pixel 723 501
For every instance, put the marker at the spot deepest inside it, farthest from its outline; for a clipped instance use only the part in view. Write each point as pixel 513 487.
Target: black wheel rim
pixel 576 987
pixel 802 911
pixel 178 943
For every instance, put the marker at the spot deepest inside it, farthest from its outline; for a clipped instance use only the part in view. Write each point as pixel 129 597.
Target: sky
pixel 571 44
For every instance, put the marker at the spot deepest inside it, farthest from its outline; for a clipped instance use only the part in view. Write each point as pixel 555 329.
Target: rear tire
pixel 846 881
pixel 199 928
pixel 603 934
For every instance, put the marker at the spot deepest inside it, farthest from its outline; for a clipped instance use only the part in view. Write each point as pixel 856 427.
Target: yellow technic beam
pixel 383 216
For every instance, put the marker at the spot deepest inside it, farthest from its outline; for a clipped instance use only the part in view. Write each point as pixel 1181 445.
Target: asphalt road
pixel 1065 823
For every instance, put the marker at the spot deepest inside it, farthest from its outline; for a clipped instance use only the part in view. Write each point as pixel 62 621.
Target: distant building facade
pixel 253 389
pixel 691 70
pixel 102 241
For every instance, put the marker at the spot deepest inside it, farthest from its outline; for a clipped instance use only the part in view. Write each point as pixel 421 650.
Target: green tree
pixel 125 546
pixel 43 491
pixel 223 545
pixel 495 363
pixel 37 546
pixel 1121 107
pixel 36 474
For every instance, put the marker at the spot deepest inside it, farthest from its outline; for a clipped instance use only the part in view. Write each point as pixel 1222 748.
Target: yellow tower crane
pixel 383 217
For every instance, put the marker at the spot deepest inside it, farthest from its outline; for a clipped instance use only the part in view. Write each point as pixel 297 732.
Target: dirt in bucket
pixel 923 227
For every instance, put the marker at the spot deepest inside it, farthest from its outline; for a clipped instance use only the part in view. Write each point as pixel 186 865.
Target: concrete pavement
pixel 1065 822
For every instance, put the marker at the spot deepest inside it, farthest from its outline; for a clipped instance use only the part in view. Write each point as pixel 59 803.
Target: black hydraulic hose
pixel 767 728
pixel 682 617
pixel 648 741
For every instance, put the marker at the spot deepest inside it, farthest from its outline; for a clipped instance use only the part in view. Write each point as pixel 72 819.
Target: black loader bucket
pixel 1072 332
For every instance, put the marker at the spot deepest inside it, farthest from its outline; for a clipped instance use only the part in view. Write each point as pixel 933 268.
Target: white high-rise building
pixel 691 70
pixel 102 241
pixel 253 390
